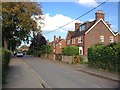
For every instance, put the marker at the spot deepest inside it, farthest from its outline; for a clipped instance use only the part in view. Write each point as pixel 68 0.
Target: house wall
pixel 117 38
pixel 58 49
pixel 93 36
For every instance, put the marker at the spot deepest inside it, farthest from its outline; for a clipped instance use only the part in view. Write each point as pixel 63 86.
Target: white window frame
pixel 74 40
pixel 68 42
pixel 80 39
pixel 102 38
pixel 111 39
pixel 60 45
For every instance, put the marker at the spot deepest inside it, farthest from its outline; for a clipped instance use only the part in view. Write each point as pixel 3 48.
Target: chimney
pixel 99 14
pixel 77 26
pixel 55 38
pixel 59 37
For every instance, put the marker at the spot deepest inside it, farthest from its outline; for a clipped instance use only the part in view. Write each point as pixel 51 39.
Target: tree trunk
pixel 5 43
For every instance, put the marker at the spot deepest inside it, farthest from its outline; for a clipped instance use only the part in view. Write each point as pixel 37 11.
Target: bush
pixel 6 54
pixel 30 52
pixel 45 49
pixel 70 50
pixel 105 56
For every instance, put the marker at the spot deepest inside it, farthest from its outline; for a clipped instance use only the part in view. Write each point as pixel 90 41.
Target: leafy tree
pixel 17 22
pixel 38 41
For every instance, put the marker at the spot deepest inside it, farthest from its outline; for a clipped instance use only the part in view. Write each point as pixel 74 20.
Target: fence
pixel 66 59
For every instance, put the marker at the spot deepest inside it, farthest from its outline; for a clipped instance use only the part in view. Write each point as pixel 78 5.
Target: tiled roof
pixel 78 33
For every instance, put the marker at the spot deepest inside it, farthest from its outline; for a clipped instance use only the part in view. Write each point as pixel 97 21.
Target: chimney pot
pixel 99 14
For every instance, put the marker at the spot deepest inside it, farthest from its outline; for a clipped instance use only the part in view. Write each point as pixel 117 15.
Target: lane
pixel 61 76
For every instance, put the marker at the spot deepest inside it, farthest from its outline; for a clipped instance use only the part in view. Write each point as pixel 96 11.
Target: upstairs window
pixel 111 39
pixel 101 38
pixel 82 27
pixel 74 40
pixel 80 39
pixel 60 45
pixel 68 42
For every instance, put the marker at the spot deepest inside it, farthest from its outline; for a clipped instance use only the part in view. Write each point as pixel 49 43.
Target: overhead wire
pixel 76 18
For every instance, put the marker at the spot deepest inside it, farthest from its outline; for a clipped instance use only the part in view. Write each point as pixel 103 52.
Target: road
pixel 58 75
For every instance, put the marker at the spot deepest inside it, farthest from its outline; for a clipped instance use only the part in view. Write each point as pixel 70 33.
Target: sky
pixel 57 14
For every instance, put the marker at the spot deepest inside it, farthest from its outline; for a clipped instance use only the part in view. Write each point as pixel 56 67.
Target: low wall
pixel 67 59
pixel 51 56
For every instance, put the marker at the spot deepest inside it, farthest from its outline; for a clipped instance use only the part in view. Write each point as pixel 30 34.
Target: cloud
pixel 88 3
pixel 54 22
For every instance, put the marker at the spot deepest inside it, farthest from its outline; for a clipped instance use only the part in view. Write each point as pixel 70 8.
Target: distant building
pixel 57 44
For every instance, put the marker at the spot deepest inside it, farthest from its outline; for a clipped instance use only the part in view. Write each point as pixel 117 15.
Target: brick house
pixel 92 32
pixel 58 44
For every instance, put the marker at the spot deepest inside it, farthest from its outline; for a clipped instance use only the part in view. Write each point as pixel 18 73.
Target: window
pixel 111 39
pixel 68 42
pixel 101 38
pixel 54 45
pixel 74 40
pixel 60 45
pixel 80 39
pixel 82 27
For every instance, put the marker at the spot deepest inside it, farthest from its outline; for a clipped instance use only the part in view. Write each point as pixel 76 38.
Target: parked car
pixel 19 54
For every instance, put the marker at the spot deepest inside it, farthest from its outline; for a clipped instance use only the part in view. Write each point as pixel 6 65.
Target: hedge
pixel 70 50
pixel 105 56
pixel 6 54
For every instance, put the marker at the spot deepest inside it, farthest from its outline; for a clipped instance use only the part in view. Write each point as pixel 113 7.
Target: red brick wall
pixel 93 36
pixel 58 49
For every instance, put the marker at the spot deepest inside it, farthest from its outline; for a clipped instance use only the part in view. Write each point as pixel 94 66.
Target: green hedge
pixel 105 56
pixel 6 54
pixel 70 50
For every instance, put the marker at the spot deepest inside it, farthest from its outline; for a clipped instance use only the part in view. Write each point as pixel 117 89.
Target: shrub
pixel 105 56
pixel 6 54
pixel 45 49
pixel 30 52
pixel 70 50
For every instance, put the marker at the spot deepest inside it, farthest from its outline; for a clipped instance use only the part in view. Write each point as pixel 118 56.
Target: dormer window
pixel 82 27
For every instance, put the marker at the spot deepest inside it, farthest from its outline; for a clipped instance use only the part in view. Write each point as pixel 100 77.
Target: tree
pixel 17 22
pixel 36 46
pixel 38 41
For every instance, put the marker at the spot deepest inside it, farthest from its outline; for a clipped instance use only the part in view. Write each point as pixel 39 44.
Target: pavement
pixel 21 76
pixel 98 72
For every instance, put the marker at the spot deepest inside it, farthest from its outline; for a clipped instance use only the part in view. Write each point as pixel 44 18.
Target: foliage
pixel 46 49
pixel 30 52
pixel 38 45
pixel 37 42
pixel 105 56
pixel 17 22
pixel 5 61
pixel 70 50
